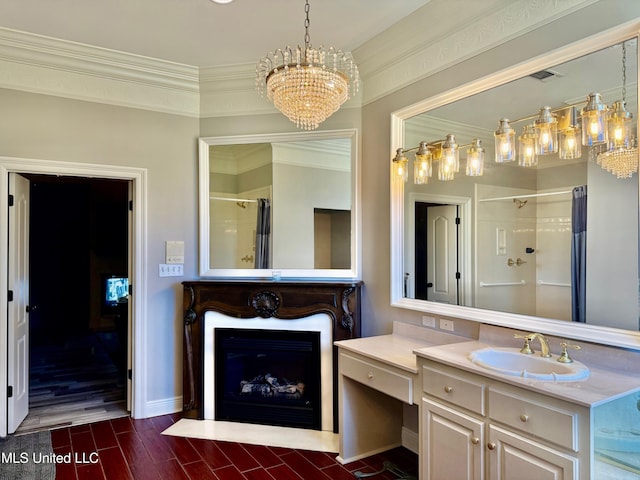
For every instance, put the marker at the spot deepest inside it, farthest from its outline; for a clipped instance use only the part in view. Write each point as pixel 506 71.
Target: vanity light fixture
pixel 505 137
pixel 446 153
pixel 594 121
pixel 450 155
pixel 307 84
pixel 527 156
pixel 475 159
pixel 569 135
pixel 423 165
pixel 401 165
pixel 546 128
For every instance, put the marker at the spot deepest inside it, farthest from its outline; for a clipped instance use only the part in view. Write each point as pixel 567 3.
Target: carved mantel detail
pixel 251 299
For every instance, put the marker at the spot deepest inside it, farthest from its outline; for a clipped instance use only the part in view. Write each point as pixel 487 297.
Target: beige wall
pixel 51 128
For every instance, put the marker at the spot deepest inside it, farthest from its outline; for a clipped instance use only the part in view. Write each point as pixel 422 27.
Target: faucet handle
pixel 526 348
pixel 564 355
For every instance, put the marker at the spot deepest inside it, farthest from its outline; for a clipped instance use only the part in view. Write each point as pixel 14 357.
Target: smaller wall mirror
pixel 279 205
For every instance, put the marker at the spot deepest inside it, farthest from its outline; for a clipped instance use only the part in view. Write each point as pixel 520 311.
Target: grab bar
pixel 503 284
pixel 553 284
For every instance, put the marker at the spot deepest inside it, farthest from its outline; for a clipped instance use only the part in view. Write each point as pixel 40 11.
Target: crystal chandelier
pixel 621 158
pixel 307 84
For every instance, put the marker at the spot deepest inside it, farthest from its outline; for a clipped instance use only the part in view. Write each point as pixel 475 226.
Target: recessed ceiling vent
pixel 545 75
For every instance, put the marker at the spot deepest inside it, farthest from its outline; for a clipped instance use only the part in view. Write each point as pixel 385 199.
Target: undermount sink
pixel 510 361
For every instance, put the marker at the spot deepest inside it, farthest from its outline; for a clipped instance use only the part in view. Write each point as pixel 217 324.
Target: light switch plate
pixel 171 270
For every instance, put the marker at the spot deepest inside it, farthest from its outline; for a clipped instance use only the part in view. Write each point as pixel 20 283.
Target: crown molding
pixel 56 67
pixel 49 66
pixel 427 50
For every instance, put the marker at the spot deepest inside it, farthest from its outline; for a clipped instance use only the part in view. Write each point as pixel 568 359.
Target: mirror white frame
pixel 590 333
pixel 204 144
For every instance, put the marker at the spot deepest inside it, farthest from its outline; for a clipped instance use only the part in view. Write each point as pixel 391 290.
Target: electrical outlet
pixel 446 325
pixel 428 321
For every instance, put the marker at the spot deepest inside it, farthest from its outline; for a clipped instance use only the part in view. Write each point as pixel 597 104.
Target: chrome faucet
pixel 544 343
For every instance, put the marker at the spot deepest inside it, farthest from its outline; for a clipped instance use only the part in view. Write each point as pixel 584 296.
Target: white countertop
pixel 601 386
pixel 395 350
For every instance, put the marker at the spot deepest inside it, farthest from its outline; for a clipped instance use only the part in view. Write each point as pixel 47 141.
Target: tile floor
pixel 135 449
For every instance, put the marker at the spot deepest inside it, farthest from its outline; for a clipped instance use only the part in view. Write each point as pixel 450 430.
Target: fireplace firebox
pixel 269 377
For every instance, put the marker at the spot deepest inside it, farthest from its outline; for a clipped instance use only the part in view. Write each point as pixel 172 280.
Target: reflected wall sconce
pixel 446 153
pixel 606 131
pixel 505 137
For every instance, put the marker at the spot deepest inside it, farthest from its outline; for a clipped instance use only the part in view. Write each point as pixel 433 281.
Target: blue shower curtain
pixel 579 254
pixel 263 234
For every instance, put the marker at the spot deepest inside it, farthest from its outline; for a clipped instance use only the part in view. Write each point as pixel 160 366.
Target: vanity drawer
pixel 549 422
pixel 395 383
pixel 455 388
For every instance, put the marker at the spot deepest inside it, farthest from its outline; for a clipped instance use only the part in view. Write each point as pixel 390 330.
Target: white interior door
pixel 442 250
pixel 18 305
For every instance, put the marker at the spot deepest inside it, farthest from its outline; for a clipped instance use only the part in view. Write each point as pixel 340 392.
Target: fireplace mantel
pixel 251 299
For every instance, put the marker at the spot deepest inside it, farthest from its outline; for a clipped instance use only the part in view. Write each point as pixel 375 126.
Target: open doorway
pixel 79 313
pixel 438 248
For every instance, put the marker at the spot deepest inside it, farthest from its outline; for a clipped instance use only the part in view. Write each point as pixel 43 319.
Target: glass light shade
pixel 619 124
pixel 546 127
pixel 569 143
pixel 505 138
pixel 594 121
pixel 451 153
pixel 423 165
pixel 401 165
pixel 527 156
pixel 475 158
pixel 446 170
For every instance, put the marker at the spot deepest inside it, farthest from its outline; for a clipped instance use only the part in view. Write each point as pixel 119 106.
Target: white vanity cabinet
pixel 473 427
pixel 377 376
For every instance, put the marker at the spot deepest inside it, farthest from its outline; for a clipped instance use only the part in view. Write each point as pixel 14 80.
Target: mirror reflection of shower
pixel 233 221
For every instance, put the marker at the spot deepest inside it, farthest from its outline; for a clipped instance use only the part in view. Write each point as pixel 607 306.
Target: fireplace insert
pixel 269 377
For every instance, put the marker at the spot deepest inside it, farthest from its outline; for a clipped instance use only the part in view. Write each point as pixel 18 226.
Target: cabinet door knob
pixel 370 375
pixel 475 440
pixel 448 389
pixel 491 446
pixel 524 418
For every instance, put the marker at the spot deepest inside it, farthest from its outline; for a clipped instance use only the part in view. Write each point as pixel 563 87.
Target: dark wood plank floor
pixel 76 380
pixel 125 448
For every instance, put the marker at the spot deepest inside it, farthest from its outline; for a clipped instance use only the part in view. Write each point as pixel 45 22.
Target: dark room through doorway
pixel 78 297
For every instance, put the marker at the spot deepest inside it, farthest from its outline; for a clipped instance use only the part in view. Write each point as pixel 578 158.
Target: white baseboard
pixel 410 440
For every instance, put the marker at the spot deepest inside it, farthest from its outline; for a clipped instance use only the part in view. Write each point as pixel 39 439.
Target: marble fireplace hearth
pixel 329 308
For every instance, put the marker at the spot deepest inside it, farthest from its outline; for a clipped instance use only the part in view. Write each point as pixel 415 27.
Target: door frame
pixel 137 261
pixel 464 203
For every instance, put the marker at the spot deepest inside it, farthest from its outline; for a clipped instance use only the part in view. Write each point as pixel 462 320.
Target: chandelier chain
pixel 624 71
pixel 307 37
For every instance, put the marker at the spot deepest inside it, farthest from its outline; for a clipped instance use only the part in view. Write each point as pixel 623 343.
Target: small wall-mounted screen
pixel 116 291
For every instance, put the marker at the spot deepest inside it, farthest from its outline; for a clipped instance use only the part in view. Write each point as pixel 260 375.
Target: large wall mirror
pixel 546 242
pixel 279 206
